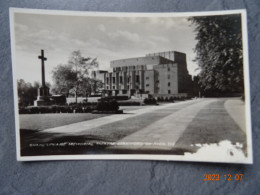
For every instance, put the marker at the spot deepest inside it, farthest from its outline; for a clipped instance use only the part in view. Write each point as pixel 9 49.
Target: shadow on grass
pixel 211 126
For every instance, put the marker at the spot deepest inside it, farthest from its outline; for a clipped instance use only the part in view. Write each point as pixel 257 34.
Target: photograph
pixel 131 86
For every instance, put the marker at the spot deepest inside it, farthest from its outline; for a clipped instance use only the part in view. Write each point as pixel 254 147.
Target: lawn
pixel 45 121
pixel 31 126
pixel 211 125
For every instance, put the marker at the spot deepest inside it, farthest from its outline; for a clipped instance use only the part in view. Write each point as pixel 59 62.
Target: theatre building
pixel 161 74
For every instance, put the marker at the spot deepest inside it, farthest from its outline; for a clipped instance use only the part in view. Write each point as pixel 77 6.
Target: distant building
pixel 161 74
pixel 99 75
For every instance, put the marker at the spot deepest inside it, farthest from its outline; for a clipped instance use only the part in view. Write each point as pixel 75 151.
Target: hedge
pixel 73 108
pixel 129 103
pixel 111 105
pixel 150 101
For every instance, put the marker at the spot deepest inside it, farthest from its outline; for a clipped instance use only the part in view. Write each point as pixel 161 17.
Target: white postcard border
pixel 249 159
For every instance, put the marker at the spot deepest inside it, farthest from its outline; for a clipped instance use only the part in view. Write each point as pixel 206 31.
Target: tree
pixel 74 76
pixel 63 77
pixel 95 86
pixel 25 95
pixel 219 52
pixel 27 92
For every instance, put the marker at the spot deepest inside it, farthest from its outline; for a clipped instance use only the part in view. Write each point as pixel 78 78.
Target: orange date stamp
pixel 226 177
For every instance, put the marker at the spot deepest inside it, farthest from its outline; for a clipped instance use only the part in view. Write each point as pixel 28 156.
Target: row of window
pixel 133 67
pixel 147 85
pixel 129 78
pixel 113 87
pixel 169 84
pixel 137 79
pixel 124 91
pixel 121 79
pixel 125 68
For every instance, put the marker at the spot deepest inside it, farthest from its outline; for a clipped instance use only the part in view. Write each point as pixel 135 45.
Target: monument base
pixel 42 101
pixel 43 97
pixel 43 91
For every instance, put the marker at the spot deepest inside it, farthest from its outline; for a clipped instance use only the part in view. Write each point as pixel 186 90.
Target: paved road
pixel 166 127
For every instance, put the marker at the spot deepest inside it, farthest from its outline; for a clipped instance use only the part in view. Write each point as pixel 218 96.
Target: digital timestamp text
pixel 226 177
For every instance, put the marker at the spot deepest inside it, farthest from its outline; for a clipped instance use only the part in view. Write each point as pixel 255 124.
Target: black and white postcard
pixel 145 86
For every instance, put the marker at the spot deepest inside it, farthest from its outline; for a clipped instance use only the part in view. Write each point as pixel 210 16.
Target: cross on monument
pixel 43 71
pixel 43 91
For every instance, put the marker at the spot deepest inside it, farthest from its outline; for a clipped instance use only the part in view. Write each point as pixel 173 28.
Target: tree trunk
pixel 76 97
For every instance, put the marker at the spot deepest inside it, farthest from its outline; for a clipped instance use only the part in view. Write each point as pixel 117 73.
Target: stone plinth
pixel 43 97
pixel 43 91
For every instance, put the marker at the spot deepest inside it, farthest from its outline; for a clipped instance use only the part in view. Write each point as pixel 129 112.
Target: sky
pixel 102 37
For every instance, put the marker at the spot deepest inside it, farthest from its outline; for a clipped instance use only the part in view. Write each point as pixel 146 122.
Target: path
pixel 169 128
pixel 236 110
pixel 84 126
pixel 164 133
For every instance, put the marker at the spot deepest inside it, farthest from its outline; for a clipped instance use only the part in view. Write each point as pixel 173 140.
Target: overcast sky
pixel 107 38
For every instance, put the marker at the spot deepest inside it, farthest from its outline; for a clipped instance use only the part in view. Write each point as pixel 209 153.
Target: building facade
pixel 161 74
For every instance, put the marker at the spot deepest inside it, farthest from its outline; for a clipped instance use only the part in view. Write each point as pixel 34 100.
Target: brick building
pixel 161 74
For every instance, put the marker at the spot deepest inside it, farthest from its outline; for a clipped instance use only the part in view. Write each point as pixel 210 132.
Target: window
pixel 137 78
pixel 169 69
pixel 169 76
pixel 169 91
pixel 129 78
pixel 147 78
pixel 107 79
pixel 121 79
pixel 107 87
pixel 147 85
pixel 169 84
pixel 114 79
pixel 113 87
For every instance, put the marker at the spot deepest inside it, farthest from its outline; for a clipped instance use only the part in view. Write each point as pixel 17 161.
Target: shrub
pixel 110 105
pixel 129 103
pixel 182 98
pixel 150 101
pixel 32 110
pixel 87 109
pixel 171 99
pixel 22 110
pixel 110 98
pixel 72 108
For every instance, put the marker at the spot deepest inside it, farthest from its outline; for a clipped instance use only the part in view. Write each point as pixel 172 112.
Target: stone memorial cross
pixel 43 92
pixel 43 71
